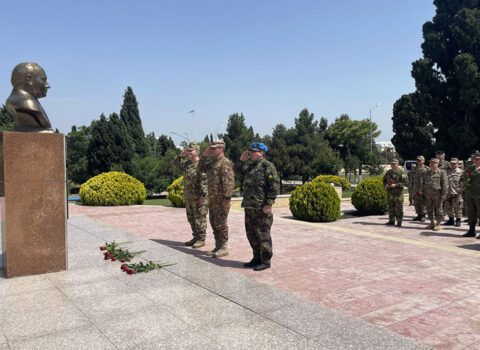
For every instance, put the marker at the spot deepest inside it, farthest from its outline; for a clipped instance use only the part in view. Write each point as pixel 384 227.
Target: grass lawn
pixel 159 201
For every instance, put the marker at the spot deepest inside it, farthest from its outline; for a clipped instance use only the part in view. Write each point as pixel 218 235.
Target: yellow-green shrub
pixel 315 201
pixel 175 193
pixel 370 197
pixel 112 188
pixel 336 180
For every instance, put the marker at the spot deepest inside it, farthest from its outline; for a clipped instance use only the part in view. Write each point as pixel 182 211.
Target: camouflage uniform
pixel 454 200
pixel 395 195
pixel 260 188
pixel 435 186
pixel 444 165
pixel 472 197
pixel 417 181
pixel 221 181
pixel 194 187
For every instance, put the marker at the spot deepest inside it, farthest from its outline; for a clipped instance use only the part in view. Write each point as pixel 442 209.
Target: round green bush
pixel 333 179
pixel 315 201
pixel 370 197
pixel 175 193
pixel 112 188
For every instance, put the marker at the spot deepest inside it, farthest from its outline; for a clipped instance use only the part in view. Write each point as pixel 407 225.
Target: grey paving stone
pixel 96 289
pixel 81 276
pixel 257 333
pixel 126 330
pixel 42 322
pixel 31 301
pixel 22 284
pixel 184 340
pixel 76 339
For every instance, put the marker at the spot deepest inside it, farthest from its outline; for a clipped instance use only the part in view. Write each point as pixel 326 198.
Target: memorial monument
pixel 32 181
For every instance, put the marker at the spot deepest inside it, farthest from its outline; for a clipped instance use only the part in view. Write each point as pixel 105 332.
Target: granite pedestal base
pixel 33 203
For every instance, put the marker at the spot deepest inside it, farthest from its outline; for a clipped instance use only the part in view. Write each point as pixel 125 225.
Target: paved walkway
pixel 192 305
pixel 417 283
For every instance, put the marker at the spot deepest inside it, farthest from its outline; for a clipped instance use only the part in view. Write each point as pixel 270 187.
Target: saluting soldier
pixel 435 187
pixel 194 188
pixel 260 188
pixel 394 180
pixel 471 184
pixel 442 163
pixel 417 180
pixel 221 181
pixel 454 200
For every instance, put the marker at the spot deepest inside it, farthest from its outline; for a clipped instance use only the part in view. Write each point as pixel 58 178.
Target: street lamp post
pixel 371 131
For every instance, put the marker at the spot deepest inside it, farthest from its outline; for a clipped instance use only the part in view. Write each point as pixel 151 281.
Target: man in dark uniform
pixel 471 184
pixel 260 188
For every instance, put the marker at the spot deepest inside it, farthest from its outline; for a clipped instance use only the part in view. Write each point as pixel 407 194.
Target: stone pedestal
pixel 33 203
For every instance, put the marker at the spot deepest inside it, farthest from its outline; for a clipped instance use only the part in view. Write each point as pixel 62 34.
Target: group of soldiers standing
pixel 209 182
pixel 451 188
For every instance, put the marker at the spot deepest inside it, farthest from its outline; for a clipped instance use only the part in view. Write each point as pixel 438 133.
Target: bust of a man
pixel 29 84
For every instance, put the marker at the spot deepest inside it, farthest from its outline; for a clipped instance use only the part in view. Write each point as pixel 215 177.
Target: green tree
pixel 165 143
pixel 447 79
pixel 7 121
pixel 130 115
pixel 77 141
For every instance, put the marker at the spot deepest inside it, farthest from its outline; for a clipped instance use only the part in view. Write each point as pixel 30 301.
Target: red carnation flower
pixel 114 259
pixel 102 248
pixel 468 172
pixel 391 181
pixel 123 260
pixel 107 257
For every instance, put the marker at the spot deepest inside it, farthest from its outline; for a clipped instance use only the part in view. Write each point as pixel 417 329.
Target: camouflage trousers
pixel 257 226
pixel 197 217
pixel 218 221
pixel 453 206
pixel 419 202
pixel 395 206
pixel 473 209
pixel 434 204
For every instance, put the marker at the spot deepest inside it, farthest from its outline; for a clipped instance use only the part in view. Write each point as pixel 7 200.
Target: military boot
pixel 223 251
pixel 422 218
pixel 437 225
pixel 261 267
pixel 399 223
pixel 198 244
pixel 190 242
pixel 210 253
pixel 252 263
pixel 470 232
pixel 390 223
pixel 417 218
pixel 449 222
pixel 431 226
pixel 458 222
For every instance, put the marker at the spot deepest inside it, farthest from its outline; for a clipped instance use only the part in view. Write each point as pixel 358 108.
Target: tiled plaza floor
pixel 415 282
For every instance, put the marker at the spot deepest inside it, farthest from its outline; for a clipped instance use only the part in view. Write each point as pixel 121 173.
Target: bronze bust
pixel 29 83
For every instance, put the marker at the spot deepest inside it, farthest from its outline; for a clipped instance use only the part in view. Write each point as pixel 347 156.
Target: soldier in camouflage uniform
pixel 417 180
pixel 435 188
pixel 471 184
pixel 221 181
pixel 454 200
pixel 394 180
pixel 194 188
pixel 260 188
pixel 442 163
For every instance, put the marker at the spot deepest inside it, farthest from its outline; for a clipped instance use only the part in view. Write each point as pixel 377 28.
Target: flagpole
pixel 194 134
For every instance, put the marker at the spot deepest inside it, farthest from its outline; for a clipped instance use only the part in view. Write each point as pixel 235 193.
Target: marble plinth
pixel 33 203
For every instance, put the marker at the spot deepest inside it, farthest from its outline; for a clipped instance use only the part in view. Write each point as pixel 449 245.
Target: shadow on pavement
pixel 439 234
pixel 200 254
pixel 470 246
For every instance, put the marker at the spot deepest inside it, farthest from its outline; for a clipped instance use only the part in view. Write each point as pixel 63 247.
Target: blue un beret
pixel 259 145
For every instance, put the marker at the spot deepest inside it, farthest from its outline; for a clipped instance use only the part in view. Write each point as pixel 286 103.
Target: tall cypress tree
pixel 447 81
pixel 130 115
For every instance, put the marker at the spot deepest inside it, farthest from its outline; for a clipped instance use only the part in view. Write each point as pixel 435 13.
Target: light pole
pixel 371 131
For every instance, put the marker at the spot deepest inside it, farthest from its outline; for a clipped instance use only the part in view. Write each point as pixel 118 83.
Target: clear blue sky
pixel 266 59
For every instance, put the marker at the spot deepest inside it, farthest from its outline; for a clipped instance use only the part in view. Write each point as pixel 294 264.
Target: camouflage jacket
pixel 194 181
pixel 397 177
pixel 221 179
pixel 444 165
pixel 435 181
pixel 417 178
pixel 473 190
pixel 454 180
pixel 260 185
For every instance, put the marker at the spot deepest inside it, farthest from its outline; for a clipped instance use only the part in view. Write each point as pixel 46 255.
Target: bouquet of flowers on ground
pixel 141 267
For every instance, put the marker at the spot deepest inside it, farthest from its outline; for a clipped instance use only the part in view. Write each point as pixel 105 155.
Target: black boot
pixel 390 223
pixel 417 218
pixel 470 232
pixel 422 219
pixel 261 267
pixel 458 222
pixel 254 262
pixel 449 222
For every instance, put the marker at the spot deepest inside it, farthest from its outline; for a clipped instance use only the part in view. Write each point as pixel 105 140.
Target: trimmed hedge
pixel 175 193
pixel 370 197
pixel 336 180
pixel 315 201
pixel 112 188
